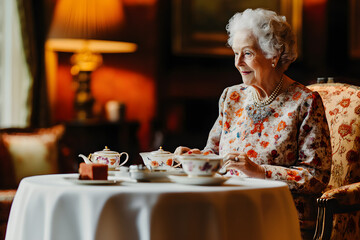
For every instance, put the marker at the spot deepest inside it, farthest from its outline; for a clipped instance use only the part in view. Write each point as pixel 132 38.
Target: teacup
pixel 159 160
pixel 199 165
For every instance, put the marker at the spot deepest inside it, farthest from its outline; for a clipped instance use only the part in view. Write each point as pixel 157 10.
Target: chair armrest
pixel 345 195
pixel 6 198
pixel 344 199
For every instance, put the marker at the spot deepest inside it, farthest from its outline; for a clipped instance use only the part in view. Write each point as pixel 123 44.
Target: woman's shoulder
pixel 239 88
pixel 235 92
pixel 298 89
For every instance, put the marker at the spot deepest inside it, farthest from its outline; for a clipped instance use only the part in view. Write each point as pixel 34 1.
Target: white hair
pixel 273 33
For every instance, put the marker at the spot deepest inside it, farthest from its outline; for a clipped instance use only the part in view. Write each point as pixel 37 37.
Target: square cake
pixel 95 171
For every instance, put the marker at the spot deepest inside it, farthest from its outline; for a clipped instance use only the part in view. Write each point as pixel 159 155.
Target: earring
pixel 273 65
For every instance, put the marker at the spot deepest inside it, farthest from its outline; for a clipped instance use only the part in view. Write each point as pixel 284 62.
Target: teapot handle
pixel 126 159
pixel 86 159
pixel 177 161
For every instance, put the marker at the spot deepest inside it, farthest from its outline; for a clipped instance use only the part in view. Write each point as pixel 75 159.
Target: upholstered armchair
pixel 25 152
pixel 338 208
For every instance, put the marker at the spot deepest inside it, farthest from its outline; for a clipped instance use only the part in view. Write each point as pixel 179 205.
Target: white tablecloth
pixel 50 207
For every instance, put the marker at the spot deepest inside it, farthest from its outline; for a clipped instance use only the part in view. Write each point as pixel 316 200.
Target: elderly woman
pixel 271 126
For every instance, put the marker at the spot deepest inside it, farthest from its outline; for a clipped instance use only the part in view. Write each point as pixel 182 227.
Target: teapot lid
pixel 106 151
pixel 160 151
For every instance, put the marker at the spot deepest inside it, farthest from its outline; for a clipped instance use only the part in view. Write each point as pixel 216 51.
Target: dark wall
pixel 339 63
pixel 189 86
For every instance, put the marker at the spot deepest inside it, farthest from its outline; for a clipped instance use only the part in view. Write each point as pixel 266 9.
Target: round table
pixel 51 207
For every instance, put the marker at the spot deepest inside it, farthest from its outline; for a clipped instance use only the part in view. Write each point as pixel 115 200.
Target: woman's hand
pixel 181 150
pixel 240 161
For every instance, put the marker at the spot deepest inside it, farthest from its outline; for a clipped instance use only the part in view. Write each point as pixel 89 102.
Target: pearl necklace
pixel 261 103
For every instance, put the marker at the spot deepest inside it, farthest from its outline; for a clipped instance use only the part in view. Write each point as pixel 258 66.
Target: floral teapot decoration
pixel 106 156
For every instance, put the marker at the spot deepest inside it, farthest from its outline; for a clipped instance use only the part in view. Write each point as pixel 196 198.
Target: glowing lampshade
pixel 87 28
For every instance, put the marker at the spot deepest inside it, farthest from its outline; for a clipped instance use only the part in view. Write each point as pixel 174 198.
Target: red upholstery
pixel 24 152
pixel 6 198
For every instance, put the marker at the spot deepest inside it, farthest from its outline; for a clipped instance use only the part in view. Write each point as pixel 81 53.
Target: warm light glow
pixel 87 19
pixel 85 61
pixel 314 2
pixel 139 2
pixel 97 46
pixel 86 28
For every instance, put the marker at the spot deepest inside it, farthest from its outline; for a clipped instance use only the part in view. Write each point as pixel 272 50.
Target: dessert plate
pixel 76 180
pixel 184 179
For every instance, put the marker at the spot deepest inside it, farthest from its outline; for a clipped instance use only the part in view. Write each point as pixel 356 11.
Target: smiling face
pixel 254 68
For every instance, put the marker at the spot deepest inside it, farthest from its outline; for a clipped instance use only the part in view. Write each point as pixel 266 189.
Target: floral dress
pixel 289 137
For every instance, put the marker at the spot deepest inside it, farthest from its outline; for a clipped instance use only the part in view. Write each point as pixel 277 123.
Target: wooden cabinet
pixel 89 137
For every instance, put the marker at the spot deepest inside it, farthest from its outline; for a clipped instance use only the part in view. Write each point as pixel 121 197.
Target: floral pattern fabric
pixel 342 107
pixel 291 140
pixel 345 195
pixel 346 226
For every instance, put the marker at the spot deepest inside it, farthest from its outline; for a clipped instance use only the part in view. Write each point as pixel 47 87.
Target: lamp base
pixel 83 101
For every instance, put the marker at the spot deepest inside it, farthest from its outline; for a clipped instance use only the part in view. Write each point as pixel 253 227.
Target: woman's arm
pixel 312 170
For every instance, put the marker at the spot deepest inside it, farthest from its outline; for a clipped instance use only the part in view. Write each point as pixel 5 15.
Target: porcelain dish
pixel 204 181
pixel 76 180
pixel 106 156
pixel 142 174
pixel 159 160
pixel 199 164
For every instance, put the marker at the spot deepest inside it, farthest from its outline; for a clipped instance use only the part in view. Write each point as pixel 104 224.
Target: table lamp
pixel 87 28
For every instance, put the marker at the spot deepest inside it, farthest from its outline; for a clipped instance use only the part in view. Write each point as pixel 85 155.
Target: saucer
pixel 147 176
pixel 184 179
pixel 153 176
pixel 76 180
pixel 118 173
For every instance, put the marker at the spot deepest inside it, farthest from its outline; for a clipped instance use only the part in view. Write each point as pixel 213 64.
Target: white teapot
pixel 110 158
pixel 159 160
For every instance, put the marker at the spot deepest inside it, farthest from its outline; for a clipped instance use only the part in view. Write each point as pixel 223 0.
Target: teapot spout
pixel 144 155
pixel 86 160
